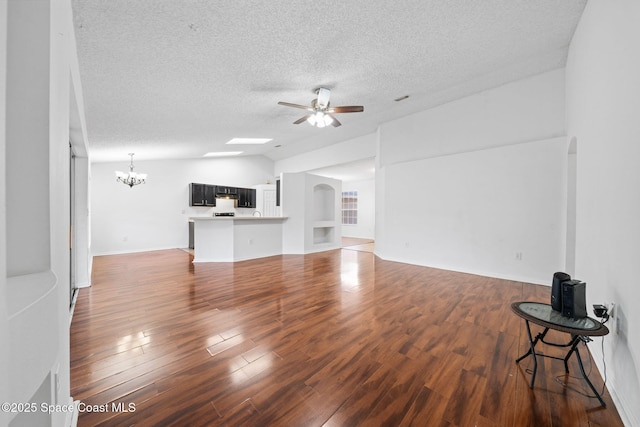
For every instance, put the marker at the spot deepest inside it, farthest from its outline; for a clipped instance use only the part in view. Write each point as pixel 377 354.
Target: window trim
pixel 349 208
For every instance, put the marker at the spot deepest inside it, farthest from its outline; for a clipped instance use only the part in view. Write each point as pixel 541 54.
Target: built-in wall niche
pixel 312 205
pixel 324 203
pixel 323 235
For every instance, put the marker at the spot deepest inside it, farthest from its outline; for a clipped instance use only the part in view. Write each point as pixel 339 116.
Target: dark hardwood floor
pixel 338 338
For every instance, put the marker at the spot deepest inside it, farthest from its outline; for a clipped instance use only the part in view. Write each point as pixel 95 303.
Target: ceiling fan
pixel 321 112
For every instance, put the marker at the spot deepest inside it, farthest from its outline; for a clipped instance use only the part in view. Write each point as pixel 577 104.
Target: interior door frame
pixel 72 223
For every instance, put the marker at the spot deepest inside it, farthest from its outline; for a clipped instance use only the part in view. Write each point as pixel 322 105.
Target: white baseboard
pixel 457 269
pixel 73 306
pixel 135 251
pixel 620 405
pixel 80 285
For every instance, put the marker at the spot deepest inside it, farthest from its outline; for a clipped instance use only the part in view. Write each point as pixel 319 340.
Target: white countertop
pixel 235 218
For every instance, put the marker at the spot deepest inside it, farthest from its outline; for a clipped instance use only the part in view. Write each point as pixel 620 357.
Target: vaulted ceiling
pixel 178 79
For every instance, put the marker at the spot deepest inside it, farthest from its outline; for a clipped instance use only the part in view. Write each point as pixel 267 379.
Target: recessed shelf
pixel 323 224
pixel 323 203
pixel 323 235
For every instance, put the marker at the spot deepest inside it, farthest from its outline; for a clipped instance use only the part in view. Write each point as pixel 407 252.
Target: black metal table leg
pixel 575 340
pixel 532 350
pixel 584 375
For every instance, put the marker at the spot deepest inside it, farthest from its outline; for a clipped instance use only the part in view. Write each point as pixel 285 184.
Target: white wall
pixel 39 66
pixel 491 183
pixel 312 205
pixel 352 150
pixel 527 110
pixel 365 229
pixel 28 122
pixel 603 104
pixel 154 215
pixel 4 316
pixel 474 212
pixel 82 235
pixel 363 147
pixel 293 206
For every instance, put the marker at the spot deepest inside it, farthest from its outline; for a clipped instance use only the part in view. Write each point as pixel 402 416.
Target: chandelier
pixel 131 178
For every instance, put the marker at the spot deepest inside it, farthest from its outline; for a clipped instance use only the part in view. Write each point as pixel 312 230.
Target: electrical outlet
pixel 610 308
pixel 614 322
pixel 519 256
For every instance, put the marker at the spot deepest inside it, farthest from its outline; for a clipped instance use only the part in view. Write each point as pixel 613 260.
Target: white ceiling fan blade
pixel 323 97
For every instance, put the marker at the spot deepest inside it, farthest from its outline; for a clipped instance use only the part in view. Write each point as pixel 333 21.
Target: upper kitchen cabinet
pixel 222 191
pixel 246 198
pixel 202 194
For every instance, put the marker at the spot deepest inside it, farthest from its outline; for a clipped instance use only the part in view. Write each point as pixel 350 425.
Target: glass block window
pixel 349 207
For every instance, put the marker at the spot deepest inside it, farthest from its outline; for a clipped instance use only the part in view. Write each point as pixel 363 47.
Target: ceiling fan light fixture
pixel 312 120
pixel 321 114
pixel 320 119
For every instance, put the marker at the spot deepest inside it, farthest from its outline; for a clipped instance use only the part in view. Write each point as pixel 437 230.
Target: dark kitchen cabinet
pixel 252 198
pixel 246 198
pixel 205 195
pixel 202 194
pixel 223 191
pixel 209 195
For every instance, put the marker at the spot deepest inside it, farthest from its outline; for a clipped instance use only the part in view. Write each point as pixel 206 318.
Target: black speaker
pixel 556 289
pixel 574 302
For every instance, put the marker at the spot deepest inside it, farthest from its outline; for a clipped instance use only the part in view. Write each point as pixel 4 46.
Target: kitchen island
pixel 236 238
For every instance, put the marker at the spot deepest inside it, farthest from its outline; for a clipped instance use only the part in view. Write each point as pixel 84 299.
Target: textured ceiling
pixel 177 79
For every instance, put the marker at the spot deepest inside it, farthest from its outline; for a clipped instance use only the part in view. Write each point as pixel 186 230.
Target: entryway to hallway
pixel 357 244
